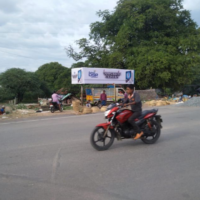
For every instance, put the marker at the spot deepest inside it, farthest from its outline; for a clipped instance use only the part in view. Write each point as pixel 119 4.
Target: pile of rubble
pixel 79 109
pixel 195 101
pixel 43 102
pixel 33 107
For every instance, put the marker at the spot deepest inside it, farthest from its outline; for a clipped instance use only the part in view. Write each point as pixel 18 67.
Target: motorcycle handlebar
pixel 120 105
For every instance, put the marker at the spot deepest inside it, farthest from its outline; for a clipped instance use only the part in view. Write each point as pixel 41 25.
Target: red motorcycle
pixel 118 127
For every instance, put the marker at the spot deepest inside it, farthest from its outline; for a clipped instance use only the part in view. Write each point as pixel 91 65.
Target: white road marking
pixel 36 120
pixel 55 166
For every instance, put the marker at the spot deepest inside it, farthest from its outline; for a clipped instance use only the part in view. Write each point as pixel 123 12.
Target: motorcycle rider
pixel 55 98
pixel 136 106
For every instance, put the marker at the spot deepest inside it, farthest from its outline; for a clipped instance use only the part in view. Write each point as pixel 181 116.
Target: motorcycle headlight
pixel 106 113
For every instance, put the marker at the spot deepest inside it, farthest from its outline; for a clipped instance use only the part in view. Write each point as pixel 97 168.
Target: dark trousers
pixel 103 102
pixel 131 120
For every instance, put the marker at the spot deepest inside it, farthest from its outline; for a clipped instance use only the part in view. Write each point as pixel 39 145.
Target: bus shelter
pixel 85 75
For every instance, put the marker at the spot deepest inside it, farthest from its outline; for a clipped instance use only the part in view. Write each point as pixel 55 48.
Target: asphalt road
pixel 52 159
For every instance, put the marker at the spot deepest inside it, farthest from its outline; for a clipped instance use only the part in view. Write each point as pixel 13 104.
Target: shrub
pixel 21 106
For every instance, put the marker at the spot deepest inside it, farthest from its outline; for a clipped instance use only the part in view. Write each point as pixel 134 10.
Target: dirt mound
pixel 8 109
pixel 104 108
pixel 87 110
pixel 76 105
pixel 95 109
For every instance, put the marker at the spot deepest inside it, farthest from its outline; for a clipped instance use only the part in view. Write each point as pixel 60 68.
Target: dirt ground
pixel 20 114
pixel 28 113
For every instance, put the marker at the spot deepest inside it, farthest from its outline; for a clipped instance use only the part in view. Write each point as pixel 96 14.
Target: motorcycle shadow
pixel 127 144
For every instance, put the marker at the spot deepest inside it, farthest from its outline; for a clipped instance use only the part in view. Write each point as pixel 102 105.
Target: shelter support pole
pixel 82 95
pixel 114 92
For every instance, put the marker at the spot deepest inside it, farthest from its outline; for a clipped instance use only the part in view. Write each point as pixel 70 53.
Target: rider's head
pixel 54 92
pixel 130 89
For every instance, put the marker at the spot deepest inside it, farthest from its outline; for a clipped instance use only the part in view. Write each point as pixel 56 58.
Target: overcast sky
pixel 35 32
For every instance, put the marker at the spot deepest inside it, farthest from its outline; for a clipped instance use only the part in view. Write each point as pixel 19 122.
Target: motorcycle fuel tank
pixel 124 115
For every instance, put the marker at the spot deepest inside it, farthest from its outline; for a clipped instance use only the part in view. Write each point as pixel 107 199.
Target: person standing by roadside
pixel 2 110
pixel 103 98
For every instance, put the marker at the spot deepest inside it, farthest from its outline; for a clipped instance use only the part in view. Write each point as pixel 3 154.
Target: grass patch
pixel 67 108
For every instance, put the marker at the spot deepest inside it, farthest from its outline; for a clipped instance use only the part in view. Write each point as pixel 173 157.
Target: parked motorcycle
pixel 54 107
pixel 97 103
pixel 118 127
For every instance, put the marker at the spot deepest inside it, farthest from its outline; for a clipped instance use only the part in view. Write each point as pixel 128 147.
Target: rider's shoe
pixel 138 136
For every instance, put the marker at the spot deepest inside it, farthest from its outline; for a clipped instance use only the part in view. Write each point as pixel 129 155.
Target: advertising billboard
pixel 102 76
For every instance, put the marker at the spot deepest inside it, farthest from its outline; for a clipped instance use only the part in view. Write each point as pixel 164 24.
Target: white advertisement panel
pixel 102 76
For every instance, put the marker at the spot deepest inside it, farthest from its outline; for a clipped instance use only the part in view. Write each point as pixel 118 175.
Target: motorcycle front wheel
pixel 99 105
pixel 99 142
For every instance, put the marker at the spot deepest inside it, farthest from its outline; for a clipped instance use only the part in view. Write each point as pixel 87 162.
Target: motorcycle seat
pixel 145 112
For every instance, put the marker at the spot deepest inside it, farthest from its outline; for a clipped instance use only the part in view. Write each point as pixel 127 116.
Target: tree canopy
pixel 156 38
pixel 16 82
pixel 54 75
pixel 27 86
pixel 57 76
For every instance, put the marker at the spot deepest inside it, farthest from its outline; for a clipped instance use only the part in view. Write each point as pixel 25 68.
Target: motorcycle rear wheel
pixel 98 142
pixel 52 110
pixel 155 136
pixel 61 108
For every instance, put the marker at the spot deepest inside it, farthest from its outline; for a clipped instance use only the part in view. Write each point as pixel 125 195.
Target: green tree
pixel 78 64
pixel 5 95
pixel 156 38
pixel 16 82
pixel 64 81
pixel 43 92
pixel 57 76
pixel 52 75
pixel 96 55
